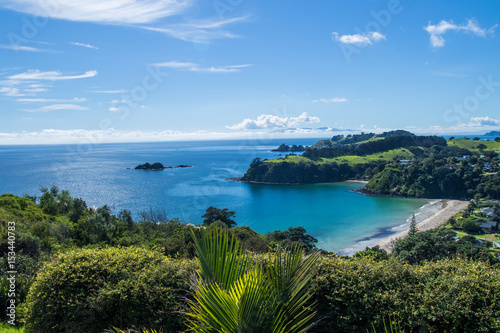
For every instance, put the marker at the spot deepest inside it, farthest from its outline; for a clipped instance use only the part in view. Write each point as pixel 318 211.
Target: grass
pixel 472 145
pixel 390 155
pixel 7 328
pixel 461 234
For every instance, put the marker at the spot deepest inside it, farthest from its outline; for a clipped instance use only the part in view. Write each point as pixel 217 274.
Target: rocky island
pixel 158 166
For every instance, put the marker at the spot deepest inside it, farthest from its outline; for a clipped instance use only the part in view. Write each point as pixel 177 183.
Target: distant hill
pixel 286 148
pixel 493 133
pixel 397 163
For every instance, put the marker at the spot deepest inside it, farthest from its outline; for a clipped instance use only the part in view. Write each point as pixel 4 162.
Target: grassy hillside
pixel 473 145
pixel 352 160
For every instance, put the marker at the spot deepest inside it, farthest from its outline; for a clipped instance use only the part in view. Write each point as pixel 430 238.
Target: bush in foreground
pixel 93 290
pixel 451 295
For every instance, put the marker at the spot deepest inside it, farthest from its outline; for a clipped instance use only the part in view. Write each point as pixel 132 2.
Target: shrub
pixel 445 296
pixel 92 290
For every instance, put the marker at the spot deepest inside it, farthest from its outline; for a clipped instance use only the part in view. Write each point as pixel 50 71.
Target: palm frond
pixel 232 296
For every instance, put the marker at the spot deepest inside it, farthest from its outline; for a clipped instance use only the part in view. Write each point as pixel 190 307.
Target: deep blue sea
pixel 343 221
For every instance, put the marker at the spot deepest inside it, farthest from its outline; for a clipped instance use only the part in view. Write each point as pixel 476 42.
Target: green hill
pixel 396 163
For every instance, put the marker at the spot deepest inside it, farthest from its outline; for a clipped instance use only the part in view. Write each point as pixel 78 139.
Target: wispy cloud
pixel 331 100
pixel 193 67
pixel 268 121
pixel 57 107
pixel 201 31
pixel 88 46
pixel 145 14
pixel 11 91
pixel 437 31
pixel 15 47
pixel 51 76
pixel 359 39
pixel 49 100
pixel 98 11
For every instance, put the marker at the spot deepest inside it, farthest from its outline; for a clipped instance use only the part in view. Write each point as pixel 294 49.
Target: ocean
pixel 343 221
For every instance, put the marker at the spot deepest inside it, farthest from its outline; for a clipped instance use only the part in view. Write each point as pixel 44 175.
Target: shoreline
pixel 449 209
pixel 355 181
pixel 238 179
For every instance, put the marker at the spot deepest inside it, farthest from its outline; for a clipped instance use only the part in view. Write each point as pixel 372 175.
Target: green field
pixel 473 145
pixel 400 153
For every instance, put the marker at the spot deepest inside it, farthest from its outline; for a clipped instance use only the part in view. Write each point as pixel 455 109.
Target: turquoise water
pixel 342 220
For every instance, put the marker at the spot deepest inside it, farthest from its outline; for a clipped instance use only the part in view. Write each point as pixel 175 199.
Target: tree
pixel 293 237
pixel 481 146
pixel 213 214
pixel 413 226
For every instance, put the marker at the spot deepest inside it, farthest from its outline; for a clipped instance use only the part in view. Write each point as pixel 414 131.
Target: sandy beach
pixel 356 181
pixel 449 209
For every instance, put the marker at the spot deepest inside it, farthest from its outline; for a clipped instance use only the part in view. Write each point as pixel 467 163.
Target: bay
pixel 342 220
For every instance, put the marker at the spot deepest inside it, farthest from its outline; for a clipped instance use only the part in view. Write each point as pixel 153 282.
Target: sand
pixel 356 181
pixel 448 210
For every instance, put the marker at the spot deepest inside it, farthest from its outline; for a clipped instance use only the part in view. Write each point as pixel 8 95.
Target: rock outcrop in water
pixel 158 166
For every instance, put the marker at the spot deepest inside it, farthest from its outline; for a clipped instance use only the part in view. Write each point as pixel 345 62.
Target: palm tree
pixel 234 294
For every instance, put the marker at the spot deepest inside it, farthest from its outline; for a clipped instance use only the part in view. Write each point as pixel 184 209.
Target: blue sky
pixel 152 70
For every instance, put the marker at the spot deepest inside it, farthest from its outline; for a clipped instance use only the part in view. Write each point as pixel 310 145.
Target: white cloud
pixel 483 121
pixel 331 100
pixel 114 109
pixel 268 121
pixel 193 67
pixel 437 31
pixel 57 107
pixel 359 39
pixel 51 76
pixel 85 45
pixel 15 47
pixel 48 100
pixel 98 11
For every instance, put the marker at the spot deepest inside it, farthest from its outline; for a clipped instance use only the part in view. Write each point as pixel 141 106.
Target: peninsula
pixel 395 163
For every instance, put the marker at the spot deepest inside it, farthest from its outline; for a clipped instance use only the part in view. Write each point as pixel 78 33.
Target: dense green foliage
pixel 445 296
pixel 103 270
pixel 60 223
pixel 390 141
pixel 438 244
pixel 304 172
pixel 435 178
pixel 91 290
